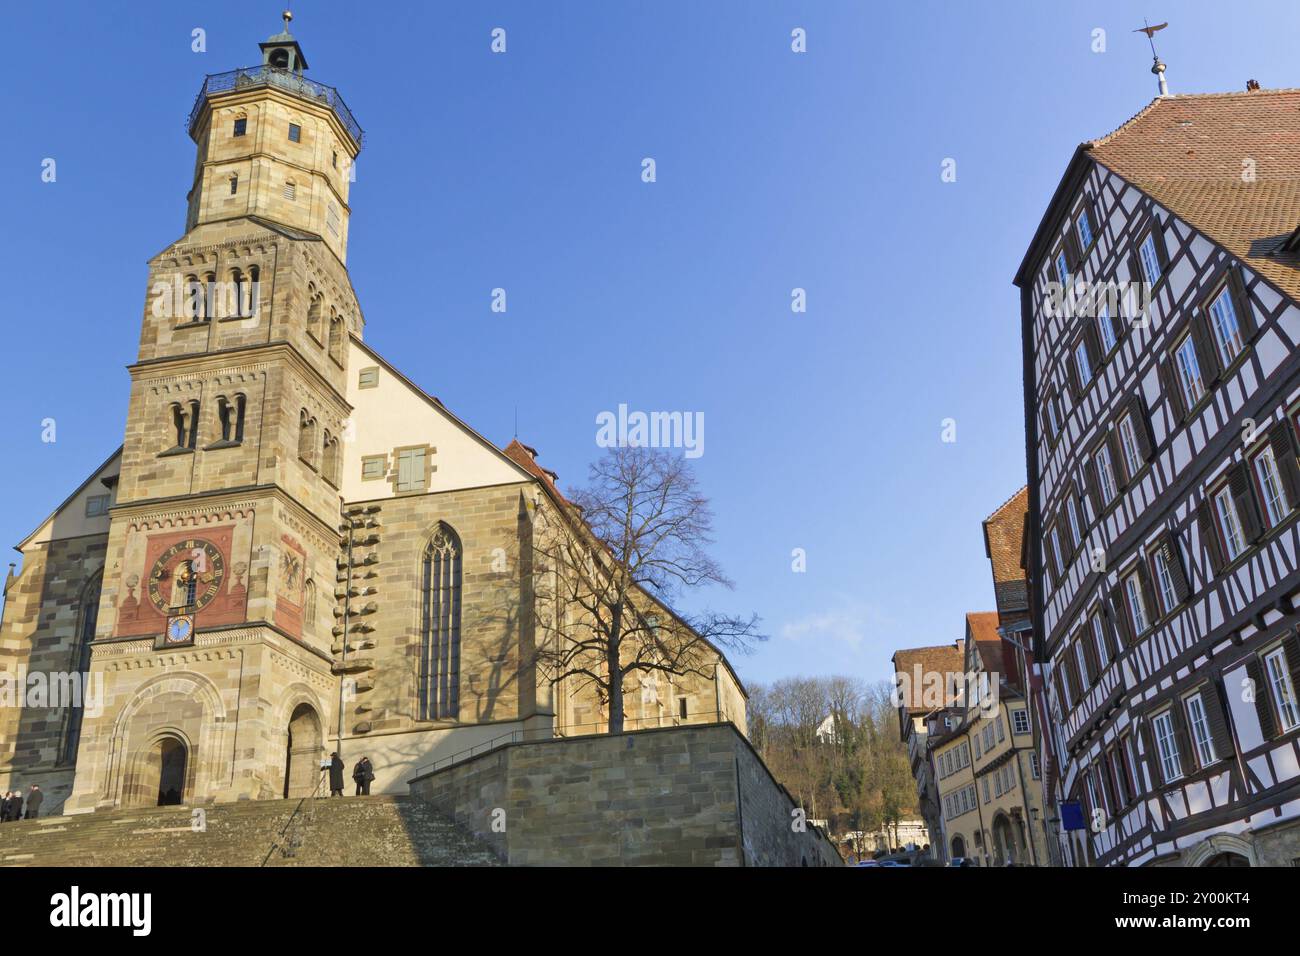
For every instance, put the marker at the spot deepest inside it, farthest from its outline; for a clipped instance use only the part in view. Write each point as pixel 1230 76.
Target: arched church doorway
pixel 1227 859
pixel 1006 848
pixel 302 752
pixel 171 759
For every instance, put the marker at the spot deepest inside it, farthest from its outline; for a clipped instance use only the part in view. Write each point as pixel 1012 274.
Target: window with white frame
pixel 1094 799
pixel 1020 721
pixel 1099 641
pixel 1052 420
pixel 1137 608
pixel 1171 766
pixel 1105 474
pixel 1081 364
pixel 1002 729
pixel 1190 380
pixel 1084 228
pixel 1072 514
pixel 1227 331
pixel 1270 485
pixel 1128 444
pixel 96 505
pixel 1150 259
pixel 1081 659
pixel 1056 551
pixel 1202 743
pixel 1062 269
pixel 1234 542
pixel 1279 682
pixel 1035 767
pixel 1164 581
pixel 1105 328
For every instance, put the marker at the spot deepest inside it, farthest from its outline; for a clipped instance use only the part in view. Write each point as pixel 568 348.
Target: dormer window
pixel 241 125
pixel 295 133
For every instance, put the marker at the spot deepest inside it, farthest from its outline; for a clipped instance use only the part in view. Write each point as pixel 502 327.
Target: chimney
pixel 1252 86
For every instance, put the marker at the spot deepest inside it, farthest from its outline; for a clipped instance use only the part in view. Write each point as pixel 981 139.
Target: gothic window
pixel 439 677
pixel 330 458
pixel 309 607
pixel 306 436
pixel 81 666
pixel 313 314
pixel 336 338
pixel 231 414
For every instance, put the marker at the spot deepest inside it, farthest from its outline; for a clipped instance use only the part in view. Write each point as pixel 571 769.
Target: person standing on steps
pixel 5 805
pixel 336 775
pixel 16 805
pixel 34 800
pixel 363 773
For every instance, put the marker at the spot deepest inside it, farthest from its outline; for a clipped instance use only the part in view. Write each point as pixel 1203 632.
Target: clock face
pixel 188 574
pixel 180 629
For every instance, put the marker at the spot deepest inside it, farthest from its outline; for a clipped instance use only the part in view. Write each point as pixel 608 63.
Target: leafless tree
pixel 627 546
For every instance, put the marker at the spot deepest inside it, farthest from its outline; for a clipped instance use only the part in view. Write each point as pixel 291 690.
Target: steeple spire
pixel 282 51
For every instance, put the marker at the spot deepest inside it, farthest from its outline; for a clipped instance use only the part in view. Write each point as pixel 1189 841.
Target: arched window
pixel 313 314
pixel 329 458
pixel 251 292
pixel 439 683
pixel 306 436
pixel 194 425
pixel 81 666
pixel 336 337
pixel 239 292
pixel 309 607
pixel 209 296
pixel 231 414
pixel 193 298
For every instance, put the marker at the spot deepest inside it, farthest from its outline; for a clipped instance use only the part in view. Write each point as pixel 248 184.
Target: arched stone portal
pixel 159 775
pixel 171 771
pixel 303 752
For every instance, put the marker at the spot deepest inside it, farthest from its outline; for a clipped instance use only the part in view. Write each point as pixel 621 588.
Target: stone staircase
pixel 338 831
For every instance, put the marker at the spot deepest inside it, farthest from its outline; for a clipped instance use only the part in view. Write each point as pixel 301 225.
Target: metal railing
pixel 568 730
pixel 249 77
pixel 289 839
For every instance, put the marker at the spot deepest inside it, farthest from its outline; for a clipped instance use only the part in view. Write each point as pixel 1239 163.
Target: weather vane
pixel 1157 67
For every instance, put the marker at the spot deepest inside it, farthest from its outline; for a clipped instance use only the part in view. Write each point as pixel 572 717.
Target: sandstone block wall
pixel 681 796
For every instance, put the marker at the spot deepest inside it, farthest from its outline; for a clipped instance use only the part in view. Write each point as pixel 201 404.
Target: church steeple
pixel 274 144
pixel 282 51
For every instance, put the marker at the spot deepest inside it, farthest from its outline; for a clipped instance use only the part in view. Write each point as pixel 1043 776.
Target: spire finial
pixel 286 17
pixel 1157 67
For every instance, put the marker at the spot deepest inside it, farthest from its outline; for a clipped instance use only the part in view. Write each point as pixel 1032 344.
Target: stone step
pixel 338 831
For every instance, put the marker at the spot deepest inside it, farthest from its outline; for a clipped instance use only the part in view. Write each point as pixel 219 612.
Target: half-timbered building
pixel 1160 301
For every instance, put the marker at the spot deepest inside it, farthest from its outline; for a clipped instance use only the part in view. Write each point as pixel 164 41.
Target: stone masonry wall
pixel 682 796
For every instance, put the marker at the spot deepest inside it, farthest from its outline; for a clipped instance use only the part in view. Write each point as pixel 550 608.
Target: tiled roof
pixel 1189 153
pixel 1003 531
pixel 526 458
pixel 999 656
pixel 942 659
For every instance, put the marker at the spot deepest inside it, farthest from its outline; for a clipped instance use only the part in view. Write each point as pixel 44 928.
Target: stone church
pixel 296 549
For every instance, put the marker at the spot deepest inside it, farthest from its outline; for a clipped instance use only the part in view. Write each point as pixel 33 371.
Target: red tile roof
pixel 997 655
pixel 1187 152
pixel 942 659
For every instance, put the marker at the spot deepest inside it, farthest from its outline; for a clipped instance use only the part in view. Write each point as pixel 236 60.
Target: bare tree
pixel 629 544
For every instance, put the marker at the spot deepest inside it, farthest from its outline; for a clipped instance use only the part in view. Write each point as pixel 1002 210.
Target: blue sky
pixel 775 170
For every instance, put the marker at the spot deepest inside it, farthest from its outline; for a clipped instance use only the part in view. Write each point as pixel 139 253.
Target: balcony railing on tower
pixel 253 76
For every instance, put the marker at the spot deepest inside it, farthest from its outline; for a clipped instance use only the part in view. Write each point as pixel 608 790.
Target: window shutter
pixel 1149 749
pixel 1073 254
pixel 1094 492
pixel 1263 706
pixel 1092 342
pixel 1076 685
pixel 1060 690
pixel 1107 784
pixel 1090 661
pixel 1281 438
pixel 1291 644
pixel 1207 356
pixel 1154 611
pixel 1072 378
pixel 1110 633
pixel 1168 546
pixel 1119 616
pixel 1137 410
pixel 1243 496
pixel 1118 463
pixel 1090 205
pixel 1169 382
pixel 1209 532
pixel 1186 760
pixel 1049 559
pixel 1216 719
pixel 1241 304
pixel 1158 234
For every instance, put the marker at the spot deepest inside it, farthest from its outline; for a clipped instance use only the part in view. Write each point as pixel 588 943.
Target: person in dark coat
pixel 16 805
pixel 34 799
pixel 336 775
pixel 6 804
pixel 363 773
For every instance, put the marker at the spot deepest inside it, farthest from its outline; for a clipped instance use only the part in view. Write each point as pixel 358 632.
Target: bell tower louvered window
pixel 439 684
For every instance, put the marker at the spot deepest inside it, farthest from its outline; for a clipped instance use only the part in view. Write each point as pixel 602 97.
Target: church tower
pixel 213 636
